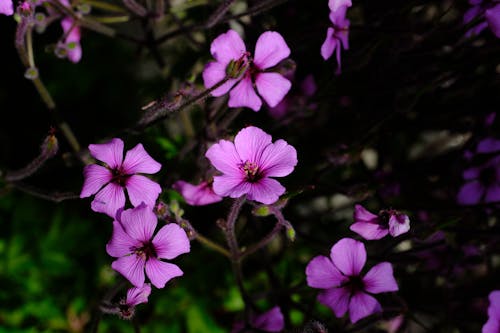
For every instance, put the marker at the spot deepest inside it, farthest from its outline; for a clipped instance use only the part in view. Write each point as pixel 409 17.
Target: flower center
pixel 119 177
pixel 487 176
pixel 146 251
pixel 251 171
pixel 355 284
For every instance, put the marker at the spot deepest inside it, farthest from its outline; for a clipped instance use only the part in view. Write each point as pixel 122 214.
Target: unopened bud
pixel 25 9
pixel 84 8
pixel 290 232
pixel 236 68
pixel 50 146
pixel 61 51
pixel 161 211
pixel 31 73
pixel 261 211
pixel 40 22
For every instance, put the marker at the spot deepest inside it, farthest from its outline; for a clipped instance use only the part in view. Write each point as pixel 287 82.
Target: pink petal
pixel 278 159
pixel 75 54
pixel 362 305
pixel 471 13
pixel 109 200
pixel 225 158
pixel 336 299
pixel 488 145
pixel 110 153
pixel 243 95
pixel 471 173
pixel 250 143
pixel 230 186
pixel 139 222
pixel 470 193
pixel 137 296
pixel 349 256
pixel 272 87
pixel 171 241
pixel 132 268
pixel 197 195
pixel 491 326
pixel 399 224
pixel 270 49
pixel 361 214
pixel 121 244
pixel 142 189
pixel 96 177
pixel 213 73
pixel 227 46
pixel 321 273
pixel 368 230
pixel 334 5
pixel 380 279
pixel 270 321
pixel 266 191
pixel 492 193
pixel 159 272
pixel 493 323
pixel 137 160
pixel 6 7
pixel 493 18
pixel 73 36
pixel 329 44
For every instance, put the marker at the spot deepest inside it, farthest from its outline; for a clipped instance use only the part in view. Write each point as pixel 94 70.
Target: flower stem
pixel 211 244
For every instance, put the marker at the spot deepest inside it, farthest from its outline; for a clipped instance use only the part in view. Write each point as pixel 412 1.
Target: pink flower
pixel 197 195
pixel 371 226
pixel 336 36
pixel 488 12
pixel 6 7
pixel 247 164
pixel 135 296
pixel 493 323
pixel 72 40
pixel 335 5
pixel 482 182
pixel 109 182
pixel 345 288
pixel 493 18
pixel 233 59
pixel 269 321
pixel 133 244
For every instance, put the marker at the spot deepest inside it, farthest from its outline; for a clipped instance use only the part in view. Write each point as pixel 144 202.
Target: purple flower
pixel 135 296
pixel 232 59
pixel 72 41
pixel 297 102
pixel 335 5
pixel 493 18
pixel 6 7
pixel 493 323
pixel 345 288
pixel 488 12
pixel 336 36
pixel 197 195
pixel 371 226
pixel 133 244
pixel 110 181
pixel 269 321
pixel 482 184
pixel 247 164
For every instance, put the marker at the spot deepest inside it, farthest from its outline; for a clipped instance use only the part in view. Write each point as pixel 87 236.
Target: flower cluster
pixel 337 36
pixel 371 226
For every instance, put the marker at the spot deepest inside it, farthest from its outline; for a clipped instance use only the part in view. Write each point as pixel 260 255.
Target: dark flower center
pixel 119 177
pixel 487 176
pixel 126 311
pixel 252 172
pixel 146 251
pixel 355 284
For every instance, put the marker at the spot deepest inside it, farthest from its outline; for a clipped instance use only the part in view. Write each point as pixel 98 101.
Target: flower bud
pixel 31 73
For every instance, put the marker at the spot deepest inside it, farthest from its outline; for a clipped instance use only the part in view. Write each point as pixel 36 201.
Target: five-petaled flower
pixel 135 296
pixel 493 323
pixel 482 183
pixel 344 286
pixel 247 164
pixel 109 182
pixel 337 36
pixel 242 72
pixel 137 250
pixel 371 226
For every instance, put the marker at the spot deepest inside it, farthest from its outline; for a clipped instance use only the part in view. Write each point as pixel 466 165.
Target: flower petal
pixel 321 273
pixel 272 87
pixel 488 145
pixel 96 176
pixel 278 159
pixel 225 158
pixel 399 224
pixel 336 299
pixel 137 160
pixel 230 186
pixel 329 45
pixel 334 5
pixel 110 153
pixel 197 195
pixel 269 321
pixel 6 7
pixel 470 193
pixel 137 296
pixel 243 95
pixel 368 230
pixel 121 244
pixel 361 214
pixel 142 189
pixel 109 200
pixel 349 256
pixel 492 193
pixel 471 173
pixel 132 268
pixel 171 241
pixel 362 305
pixel 250 143
pixel 266 191
pixel 227 46
pixel 493 18
pixel 380 278
pixel 213 73
pixel 159 272
pixel 270 49
pixel 139 222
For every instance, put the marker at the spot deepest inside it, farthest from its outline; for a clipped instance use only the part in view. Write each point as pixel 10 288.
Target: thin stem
pixel 232 242
pixel 211 244
pixel 29 46
pixel 219 12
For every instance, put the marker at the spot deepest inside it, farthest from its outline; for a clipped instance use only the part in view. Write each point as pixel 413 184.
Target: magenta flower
pixel 489 12
pixel 269 321
pixel 336 36
pixel 247 164
pixel 6 7
pixel 137 250
pixel 493 323
pixel 493 18
pixel 344 287
pixel 135 296
pixel 371 226
pixel 335 5
pixel 233 59
pixel 482 183
pixel 72 41
pixel 109 182
pixel 197 195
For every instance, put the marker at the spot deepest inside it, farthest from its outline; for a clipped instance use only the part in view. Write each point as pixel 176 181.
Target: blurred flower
pixel 135 296
pixel 297 102
pixel 247 164
pixel 336 36
pixel 197 195
pixel 269 321
pixel 242 71
pixel 371 226
pixel 493 323
pixel 345 288
pixel 482 183
pixel 133 244
pixel 335 5
pixel 108 182
pixel 6 7
pixel 71 41
pixel 489 14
